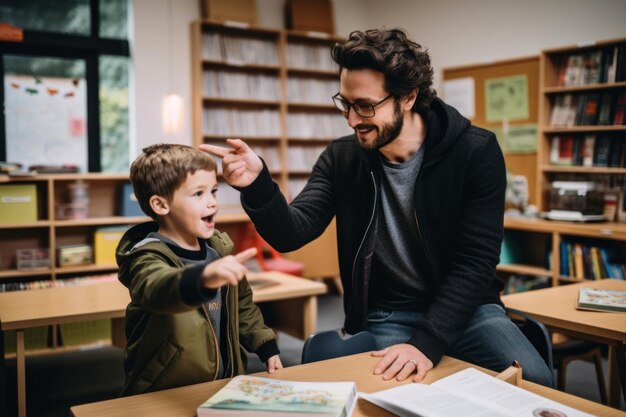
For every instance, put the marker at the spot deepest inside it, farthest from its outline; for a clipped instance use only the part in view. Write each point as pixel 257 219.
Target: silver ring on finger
pixel 413 362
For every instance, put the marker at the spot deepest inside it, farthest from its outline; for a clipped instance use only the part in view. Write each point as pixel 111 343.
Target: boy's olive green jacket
pixel 170 340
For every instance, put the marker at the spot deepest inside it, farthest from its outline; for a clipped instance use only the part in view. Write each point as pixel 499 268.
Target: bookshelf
pixel 271 88
pixel 580 89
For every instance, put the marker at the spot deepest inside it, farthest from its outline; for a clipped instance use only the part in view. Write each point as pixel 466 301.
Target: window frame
pixel 59 45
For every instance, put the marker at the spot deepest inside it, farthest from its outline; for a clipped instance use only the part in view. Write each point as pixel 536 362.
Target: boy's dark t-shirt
pixel 213 307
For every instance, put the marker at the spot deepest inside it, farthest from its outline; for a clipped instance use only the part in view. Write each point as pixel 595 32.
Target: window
pixel 65 86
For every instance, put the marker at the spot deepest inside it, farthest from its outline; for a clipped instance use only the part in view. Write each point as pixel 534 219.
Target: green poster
pixel 506 98
pixel 517 139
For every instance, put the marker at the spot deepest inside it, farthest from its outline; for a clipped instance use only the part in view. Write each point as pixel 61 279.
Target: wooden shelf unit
pixel 554 232
pixel 553 63
pixel 51 232
pixel 291 81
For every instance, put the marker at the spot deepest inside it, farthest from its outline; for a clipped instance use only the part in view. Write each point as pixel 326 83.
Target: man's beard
pixel 389 131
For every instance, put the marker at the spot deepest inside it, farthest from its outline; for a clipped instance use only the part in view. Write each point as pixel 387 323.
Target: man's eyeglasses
pixel 362 109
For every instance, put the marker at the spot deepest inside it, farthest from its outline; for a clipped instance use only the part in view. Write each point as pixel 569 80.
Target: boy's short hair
pixel 162 168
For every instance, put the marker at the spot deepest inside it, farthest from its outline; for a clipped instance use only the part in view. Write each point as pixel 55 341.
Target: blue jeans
pixel 490 340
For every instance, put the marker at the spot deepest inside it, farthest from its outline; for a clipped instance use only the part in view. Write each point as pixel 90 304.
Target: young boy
pixel 191 307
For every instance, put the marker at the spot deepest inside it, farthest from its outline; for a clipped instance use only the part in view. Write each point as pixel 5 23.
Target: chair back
pixel 330 344
pixel 536 333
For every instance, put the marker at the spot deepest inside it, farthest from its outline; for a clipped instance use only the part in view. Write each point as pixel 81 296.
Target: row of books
pixel 238 50
pixel 315 57
pixel 302 158
pixel 592 150
pixel 58 283
pixel 241 123
pixel 311 90
pixel 311 126
pixel 240 85
pixel 587 261
pixel 598 66
pixel 589 109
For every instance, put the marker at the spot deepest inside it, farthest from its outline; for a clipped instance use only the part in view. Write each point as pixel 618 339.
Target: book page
pixel 475 385
pixel 421 400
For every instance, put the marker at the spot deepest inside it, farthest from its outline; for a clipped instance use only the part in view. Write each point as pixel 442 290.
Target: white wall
pixel 457 32
pixel 461 32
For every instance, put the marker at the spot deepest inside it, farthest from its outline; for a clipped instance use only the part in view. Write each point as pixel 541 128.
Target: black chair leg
pixel 597 359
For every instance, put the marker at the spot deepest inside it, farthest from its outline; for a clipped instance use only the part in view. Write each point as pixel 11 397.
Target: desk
pixel 556 308
pixel 185 400
pixel 291 304
pixel 288 303
pixel 21 310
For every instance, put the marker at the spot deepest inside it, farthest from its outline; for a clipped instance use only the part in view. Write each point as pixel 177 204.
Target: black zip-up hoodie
pixel 459 206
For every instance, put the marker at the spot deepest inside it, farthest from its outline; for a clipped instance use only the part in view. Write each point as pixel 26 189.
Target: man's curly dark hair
pixel 404 63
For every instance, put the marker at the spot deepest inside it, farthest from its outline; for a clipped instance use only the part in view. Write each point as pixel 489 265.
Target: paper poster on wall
pixel 517 139
pixel 459 93
pixel 506 98
pixel 59 106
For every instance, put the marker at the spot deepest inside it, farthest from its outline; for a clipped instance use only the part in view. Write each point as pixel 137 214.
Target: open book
pixel 601 300
pixel 249 395
pixel 468 393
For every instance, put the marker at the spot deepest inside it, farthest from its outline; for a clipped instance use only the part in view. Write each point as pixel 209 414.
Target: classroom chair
pixel 330 344
pixel 268 258
pixel 571 350
pixel 537 333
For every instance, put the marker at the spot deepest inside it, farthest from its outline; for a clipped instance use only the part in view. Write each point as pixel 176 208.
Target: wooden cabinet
pixel 273 89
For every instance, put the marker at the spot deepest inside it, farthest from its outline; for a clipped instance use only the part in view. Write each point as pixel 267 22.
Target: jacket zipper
pixel 419 232
pixel 217 347
pixel 366 230
pixel 230 348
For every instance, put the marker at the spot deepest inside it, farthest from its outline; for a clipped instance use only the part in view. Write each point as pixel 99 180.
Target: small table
pixel 185 400
pixel 556 308
pixel 22 310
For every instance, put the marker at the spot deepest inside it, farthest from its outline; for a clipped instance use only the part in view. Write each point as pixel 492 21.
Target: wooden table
pixel 22 310
pixel 185 400
pixel 556 308
pixel 290 304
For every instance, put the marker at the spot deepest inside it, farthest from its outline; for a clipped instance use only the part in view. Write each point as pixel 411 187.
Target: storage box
pixel 18 203
pixel 106 240
pixel 230 10
pixel 128 204
pixel 70 255
pixel 85 332
pixel 307 15
pixel 33 258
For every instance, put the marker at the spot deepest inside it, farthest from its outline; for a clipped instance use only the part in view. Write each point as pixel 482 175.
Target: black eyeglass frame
pixel 340 103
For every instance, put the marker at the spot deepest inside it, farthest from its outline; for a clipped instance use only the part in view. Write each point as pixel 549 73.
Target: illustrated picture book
pixel 250 395
pixel 468 393
pixel 601 300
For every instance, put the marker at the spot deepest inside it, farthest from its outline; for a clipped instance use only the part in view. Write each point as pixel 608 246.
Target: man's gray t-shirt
pixel 396 283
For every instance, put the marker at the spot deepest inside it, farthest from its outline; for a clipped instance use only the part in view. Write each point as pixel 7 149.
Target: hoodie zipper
pixel 419 232
pixel 217 347
pixel 366 230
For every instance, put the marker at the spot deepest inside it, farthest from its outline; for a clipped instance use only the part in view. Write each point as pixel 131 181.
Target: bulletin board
pixel 506 74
